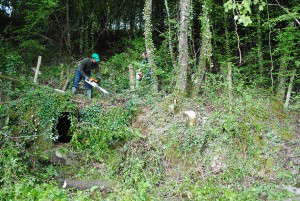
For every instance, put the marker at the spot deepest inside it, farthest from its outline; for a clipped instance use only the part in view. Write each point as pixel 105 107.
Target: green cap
pixel 96 57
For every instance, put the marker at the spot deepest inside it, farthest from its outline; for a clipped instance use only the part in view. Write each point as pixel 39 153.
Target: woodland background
pixel 234 63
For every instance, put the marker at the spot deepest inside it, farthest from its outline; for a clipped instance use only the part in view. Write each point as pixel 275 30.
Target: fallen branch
pixel 58 90
pixel 89 184
pixel 66 84
pixel 291 189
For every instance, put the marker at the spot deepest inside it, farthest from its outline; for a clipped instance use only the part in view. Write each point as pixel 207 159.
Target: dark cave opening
pixel 62 128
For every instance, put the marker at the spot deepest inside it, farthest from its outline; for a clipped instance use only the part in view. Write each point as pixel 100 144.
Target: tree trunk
pixel 68 27
pixel 287 47
pixel 230 96
pixel 81 28
pixel 182 68
pixel 260 46
pixel 172 55
pixel 288 95
pixel 206 47
pixel 149 43
pixel 270 49
pixel 228 59
pixel 282 78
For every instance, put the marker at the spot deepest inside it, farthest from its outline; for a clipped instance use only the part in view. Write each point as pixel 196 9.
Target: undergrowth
pixel 240 150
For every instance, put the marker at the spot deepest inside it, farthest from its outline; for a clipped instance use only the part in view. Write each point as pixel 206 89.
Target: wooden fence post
pixel 131 76
pixel 37 69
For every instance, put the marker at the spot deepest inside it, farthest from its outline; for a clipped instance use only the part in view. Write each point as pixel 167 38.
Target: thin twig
pixel 23 136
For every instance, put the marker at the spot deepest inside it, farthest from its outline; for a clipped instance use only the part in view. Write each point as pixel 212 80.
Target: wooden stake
pixel 37 69
pixel 288 95
pixel 131 76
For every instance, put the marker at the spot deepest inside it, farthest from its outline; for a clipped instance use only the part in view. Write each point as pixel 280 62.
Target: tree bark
pixel 81 26
pixel 260 46
pixel 149 43
pixel 206 47
pixel 68 27
pixel 172 55
pixel 228 63
pixel 88 184
pixel 182 68
pixel 282 78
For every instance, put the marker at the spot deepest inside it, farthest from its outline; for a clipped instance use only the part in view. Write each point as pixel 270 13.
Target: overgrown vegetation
pixel 239 74
pixel 242 150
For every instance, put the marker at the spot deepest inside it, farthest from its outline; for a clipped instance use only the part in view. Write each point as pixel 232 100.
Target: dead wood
pixel 100 185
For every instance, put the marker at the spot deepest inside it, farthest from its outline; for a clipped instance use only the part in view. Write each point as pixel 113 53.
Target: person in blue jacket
pixel 84 72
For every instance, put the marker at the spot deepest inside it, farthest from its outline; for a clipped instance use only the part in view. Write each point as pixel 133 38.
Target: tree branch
pixel 286 10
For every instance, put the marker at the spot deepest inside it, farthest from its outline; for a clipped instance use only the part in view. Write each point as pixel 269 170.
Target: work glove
pixel 99 79
pixel 86 78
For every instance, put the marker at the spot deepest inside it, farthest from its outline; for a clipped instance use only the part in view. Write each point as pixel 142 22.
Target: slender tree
pixel 260 44
pixel 206 46
pixel 182 68
pixel 149 43
pixel 228 58
pixel 287 50
pixel 171 45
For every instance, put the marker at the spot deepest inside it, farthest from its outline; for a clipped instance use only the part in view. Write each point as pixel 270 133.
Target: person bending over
pixel 84 72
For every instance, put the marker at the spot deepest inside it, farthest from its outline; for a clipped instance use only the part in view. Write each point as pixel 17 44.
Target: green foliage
pixel 243 9
pixel 11 62
pixel 237 150
pixel 13 166
pixel 31 114
pixel 288 40
pixel 28 189
pixel 115 70
pixel 31 49
pixel 216 191
pixel 37 17
pixel 100 129
pixel 295 102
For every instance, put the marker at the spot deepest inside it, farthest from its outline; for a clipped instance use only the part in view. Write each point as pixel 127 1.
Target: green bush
pixel 31 49
pixel 100 129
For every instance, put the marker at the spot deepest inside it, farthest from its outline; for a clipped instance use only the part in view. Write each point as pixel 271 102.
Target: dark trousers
pixel 79 77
